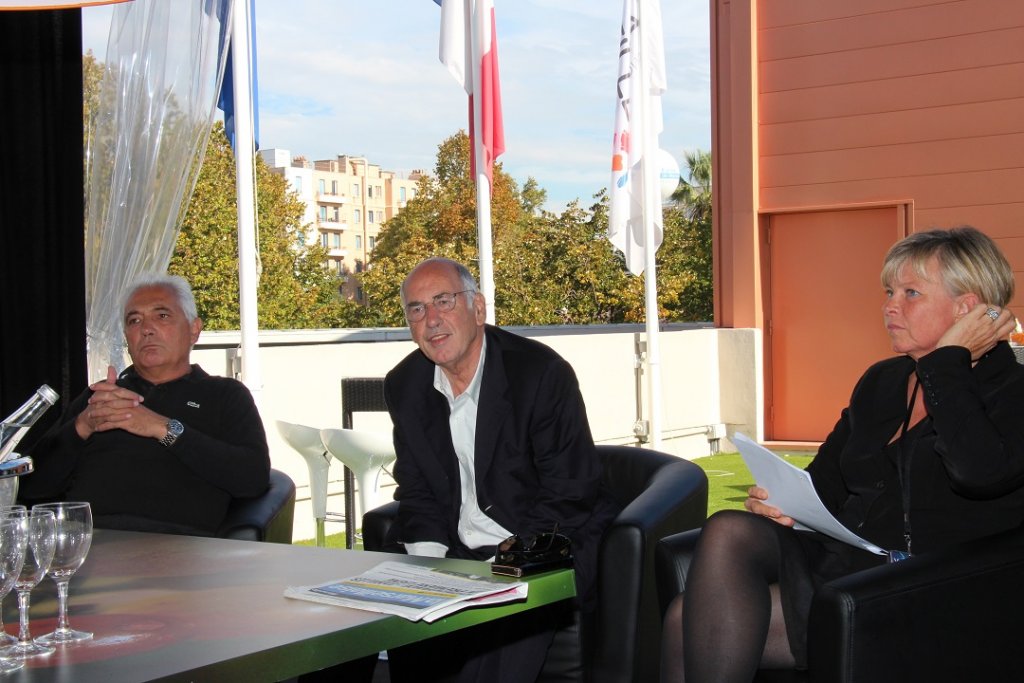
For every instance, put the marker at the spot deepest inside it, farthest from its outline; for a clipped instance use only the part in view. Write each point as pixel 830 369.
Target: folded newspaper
pixel 411 591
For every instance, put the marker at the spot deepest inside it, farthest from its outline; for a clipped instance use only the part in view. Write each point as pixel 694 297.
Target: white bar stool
pixel 365 453
pixel 306 442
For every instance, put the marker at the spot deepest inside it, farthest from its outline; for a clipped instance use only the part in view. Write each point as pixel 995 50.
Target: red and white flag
pixel 637 120
pixel 469 48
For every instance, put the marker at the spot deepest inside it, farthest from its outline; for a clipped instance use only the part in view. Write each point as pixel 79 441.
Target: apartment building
pixel 347 201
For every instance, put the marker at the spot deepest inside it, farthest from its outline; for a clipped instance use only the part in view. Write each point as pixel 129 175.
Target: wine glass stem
pixel 23 633
pixel 62 604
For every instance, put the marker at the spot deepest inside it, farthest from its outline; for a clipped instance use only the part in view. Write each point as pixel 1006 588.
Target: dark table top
pixel 166 607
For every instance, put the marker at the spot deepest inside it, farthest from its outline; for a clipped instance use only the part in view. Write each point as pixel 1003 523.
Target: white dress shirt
pixel 476 529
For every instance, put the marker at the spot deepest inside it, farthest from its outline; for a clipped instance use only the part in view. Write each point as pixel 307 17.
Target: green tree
pixel 295 289
pixel 686 254
pixel 548 269
pixel 92 73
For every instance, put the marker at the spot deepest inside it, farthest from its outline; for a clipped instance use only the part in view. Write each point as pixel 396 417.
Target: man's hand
pixel 755 503
pixel 114 407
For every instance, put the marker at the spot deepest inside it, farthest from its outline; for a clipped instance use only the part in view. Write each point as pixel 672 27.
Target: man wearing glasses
pixel 492 440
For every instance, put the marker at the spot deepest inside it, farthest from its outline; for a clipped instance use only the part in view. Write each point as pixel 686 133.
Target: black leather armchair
pixel 264 518
pixel 661 494
pixel 949 615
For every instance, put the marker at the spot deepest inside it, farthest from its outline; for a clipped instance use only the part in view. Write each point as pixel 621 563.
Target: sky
pixel 363 78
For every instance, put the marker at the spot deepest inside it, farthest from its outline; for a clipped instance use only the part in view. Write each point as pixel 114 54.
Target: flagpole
pixel 484 239
pixel 651 216
pixel 248 275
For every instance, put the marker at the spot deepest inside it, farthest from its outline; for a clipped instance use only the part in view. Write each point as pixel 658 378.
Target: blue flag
pixel 226 101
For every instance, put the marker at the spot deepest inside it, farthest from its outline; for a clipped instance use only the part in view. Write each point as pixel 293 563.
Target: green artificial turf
pixel 729 478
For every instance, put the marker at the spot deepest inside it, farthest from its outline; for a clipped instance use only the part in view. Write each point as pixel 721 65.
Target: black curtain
pixel 42 250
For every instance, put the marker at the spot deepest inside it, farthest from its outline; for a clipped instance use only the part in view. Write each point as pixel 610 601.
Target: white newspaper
pixel 411 591
pixel 790 489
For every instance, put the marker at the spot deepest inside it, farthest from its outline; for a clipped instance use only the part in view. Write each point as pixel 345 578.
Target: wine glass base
pixel 63 637
pixel 9 664
pixel 27 649
pixel 7 639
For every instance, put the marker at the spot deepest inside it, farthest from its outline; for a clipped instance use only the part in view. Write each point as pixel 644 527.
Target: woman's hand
pixel 755 503
pixel 978 331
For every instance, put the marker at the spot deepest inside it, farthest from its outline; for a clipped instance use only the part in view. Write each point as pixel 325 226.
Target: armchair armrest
pixel 376 524
pixel 954 614
pixel 672 558
pixel 264 518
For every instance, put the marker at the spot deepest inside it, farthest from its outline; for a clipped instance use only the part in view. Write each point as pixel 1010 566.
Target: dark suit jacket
pixel 535 460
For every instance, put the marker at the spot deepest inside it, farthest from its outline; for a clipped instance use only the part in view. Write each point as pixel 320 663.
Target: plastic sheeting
pixel 163 70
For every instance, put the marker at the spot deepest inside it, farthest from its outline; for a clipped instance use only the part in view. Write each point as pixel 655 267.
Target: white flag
pixel 637 117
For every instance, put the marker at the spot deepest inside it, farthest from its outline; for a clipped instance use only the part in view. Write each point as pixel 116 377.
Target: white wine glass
pixel 5 637
pixel 40 531
pixel 12 556
pixel 73 523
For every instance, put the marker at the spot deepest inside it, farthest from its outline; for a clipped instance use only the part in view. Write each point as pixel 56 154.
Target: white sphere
pixel 668 173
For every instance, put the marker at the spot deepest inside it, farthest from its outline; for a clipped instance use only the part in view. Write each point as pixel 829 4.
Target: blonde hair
pixel 969 262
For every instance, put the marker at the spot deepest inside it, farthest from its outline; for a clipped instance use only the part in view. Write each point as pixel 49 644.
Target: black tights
pixel 733 623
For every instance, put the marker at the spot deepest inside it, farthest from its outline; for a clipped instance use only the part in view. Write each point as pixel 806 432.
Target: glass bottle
pixel 17 424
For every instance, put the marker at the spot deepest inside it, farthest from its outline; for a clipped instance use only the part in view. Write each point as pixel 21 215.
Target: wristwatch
pixel 174 430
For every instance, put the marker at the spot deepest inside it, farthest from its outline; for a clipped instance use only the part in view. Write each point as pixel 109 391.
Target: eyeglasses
pixel 443 302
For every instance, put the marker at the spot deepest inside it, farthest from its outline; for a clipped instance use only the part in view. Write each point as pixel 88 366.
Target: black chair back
pixel 358 395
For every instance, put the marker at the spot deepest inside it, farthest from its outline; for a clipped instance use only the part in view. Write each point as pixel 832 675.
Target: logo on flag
pixel 638 122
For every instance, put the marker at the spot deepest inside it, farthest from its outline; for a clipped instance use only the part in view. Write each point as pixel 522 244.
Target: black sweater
pixel 134 482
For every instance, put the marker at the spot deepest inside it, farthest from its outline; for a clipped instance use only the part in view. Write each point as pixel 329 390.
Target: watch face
pixel 174 430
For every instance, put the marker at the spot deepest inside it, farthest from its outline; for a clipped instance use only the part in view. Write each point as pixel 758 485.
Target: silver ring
pixel 992 313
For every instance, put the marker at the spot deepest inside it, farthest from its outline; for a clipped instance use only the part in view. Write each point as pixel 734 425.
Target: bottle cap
pixel 48 394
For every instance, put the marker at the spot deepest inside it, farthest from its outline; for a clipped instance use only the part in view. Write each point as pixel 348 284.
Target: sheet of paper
pixel 790 489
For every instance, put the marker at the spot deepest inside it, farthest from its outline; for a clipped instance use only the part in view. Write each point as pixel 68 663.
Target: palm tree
pixel 694 194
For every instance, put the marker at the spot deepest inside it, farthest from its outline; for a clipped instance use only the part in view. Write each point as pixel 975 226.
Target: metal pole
pixel 248 269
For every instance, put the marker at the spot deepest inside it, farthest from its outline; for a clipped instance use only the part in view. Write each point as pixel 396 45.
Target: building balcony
pixel 331 224
pixel 337 252
pixel 326 198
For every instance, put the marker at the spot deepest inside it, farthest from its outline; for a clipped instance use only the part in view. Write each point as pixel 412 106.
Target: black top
pixel 135 482
pixel 966 457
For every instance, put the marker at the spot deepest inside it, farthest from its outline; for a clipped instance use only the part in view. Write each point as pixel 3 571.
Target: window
pixel 323 213
pixel 334 187
pixel 372 240
pixel 321 186
pixel 323 240
pixel 336 240
pixel 380 193
pixel 340 263
pixel 369 216
pixel 357 217
pixel 337 216
pixel 369 191
pixel 359 241
pixel 359 266
pixel 355 189
pixel 359 293
pixel 401 194
pixel 297 183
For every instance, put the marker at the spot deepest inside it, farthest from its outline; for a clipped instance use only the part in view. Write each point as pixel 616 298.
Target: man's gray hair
pixel 177 284
pixel 468 281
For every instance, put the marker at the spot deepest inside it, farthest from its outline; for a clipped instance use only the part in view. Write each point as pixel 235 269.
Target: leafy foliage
pixel 295 289
pixel 548 269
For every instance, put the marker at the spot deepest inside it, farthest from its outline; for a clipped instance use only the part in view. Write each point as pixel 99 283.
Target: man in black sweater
pixel 163 446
